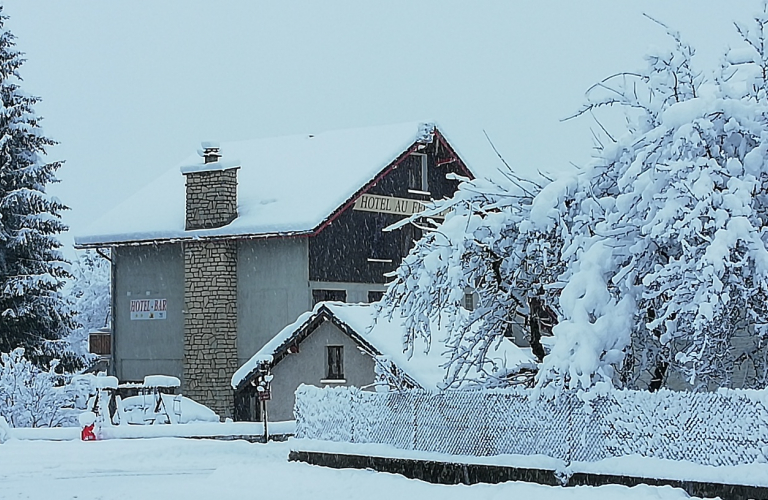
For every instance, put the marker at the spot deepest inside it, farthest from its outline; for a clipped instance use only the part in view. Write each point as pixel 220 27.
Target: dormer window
pixel 417 173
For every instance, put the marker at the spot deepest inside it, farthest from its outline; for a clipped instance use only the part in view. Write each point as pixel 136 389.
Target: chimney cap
pixel 210 151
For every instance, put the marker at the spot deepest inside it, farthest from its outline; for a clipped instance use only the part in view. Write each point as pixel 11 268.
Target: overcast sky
pixel 131 88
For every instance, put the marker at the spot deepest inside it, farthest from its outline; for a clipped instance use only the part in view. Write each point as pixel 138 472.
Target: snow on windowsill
pixel 333 381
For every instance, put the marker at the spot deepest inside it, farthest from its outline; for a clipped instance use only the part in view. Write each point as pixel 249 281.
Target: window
pixel 335 362
pixel 375 295
pixel 323 295
pixel 469 301
pixel 417 173
pixel 409 234
pixel 100 343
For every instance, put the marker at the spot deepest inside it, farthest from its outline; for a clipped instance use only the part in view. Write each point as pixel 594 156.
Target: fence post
pixel 353 407
pixel 414 397
pixel 570 440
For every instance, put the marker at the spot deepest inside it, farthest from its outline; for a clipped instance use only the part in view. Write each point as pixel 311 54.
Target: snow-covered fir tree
pixel 653 257
pixel 34 314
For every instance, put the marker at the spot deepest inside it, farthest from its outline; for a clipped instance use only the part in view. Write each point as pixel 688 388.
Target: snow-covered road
pixel 187 469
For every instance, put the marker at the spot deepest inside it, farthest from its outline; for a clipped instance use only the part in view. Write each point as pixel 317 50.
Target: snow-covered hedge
pixel 5 430
pixel 721 428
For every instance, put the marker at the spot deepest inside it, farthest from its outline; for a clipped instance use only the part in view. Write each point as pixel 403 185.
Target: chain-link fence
pixel 722 428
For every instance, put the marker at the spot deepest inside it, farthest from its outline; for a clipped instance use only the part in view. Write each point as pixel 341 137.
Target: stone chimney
pixel 211 199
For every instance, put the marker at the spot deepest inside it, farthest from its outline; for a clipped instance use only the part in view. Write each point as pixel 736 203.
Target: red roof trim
pixel 365 188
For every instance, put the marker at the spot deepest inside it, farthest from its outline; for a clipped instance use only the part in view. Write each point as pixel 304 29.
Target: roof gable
pixel 286 186
pixel 293 335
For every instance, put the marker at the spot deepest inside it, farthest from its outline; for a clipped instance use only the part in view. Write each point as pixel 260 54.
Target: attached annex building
pixel 214 258
pixel 364 351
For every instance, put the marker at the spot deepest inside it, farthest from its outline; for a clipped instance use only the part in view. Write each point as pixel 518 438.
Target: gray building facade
pixel 198 296
pixel 309 365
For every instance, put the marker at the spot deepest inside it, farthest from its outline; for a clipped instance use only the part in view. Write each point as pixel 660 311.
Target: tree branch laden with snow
pixel 653 258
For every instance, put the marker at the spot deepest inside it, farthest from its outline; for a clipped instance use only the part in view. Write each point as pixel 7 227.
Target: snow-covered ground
pixel 192 430
pixel 187 469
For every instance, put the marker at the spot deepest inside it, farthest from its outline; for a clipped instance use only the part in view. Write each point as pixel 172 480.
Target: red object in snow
pixel 87 433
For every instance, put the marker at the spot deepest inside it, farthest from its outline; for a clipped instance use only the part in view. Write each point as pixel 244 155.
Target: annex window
pixel 324 295
pixel 335 362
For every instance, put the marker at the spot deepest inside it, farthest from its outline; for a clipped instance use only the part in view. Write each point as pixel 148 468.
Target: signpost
pixel 263 389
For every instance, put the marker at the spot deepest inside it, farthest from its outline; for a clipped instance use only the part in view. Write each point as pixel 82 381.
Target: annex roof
pixel 381 336
pixel 286 185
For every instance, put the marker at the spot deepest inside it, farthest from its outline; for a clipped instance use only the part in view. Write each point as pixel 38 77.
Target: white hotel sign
pixel 389 205
pixel 148 308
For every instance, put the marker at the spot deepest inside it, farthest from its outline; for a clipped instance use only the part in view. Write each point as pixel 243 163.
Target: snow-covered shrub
pixel 29 396
pixel 90 292
pixel 5 430
pixel 326 412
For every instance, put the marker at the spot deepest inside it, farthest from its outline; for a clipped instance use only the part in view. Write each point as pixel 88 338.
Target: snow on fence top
pixel 384 336
pixel 286 185
pixel 717 429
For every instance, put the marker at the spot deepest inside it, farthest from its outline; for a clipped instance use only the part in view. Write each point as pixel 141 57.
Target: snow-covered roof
pixel 384 337
pixel 286 185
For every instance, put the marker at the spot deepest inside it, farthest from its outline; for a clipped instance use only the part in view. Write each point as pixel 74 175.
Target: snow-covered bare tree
pixel 667 257
pixel 485 246
pixel 653 257
pixel 33 312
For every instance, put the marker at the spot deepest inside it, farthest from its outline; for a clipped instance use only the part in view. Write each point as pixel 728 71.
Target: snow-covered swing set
pixel 153 403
